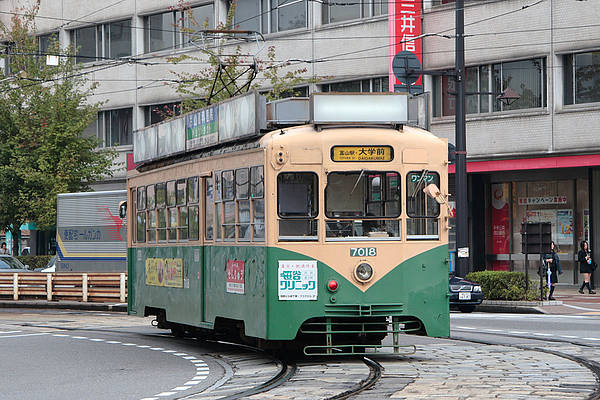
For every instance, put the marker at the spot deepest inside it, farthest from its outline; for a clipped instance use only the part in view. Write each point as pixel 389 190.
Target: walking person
pixel 586 266
pixel 3 249
pixel 553 263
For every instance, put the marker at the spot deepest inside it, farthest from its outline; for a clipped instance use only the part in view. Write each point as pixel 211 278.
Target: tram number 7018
pixel 363 251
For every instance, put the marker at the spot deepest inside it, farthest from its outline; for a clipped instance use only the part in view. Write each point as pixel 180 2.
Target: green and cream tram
pixel 299 222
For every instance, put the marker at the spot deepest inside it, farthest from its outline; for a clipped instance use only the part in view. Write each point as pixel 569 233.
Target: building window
pixel 363 85
pixel 159 112
pixel 46 42
pixel 526 77
pixel 111 40
pixel 172 29
pixel 115 127
pixel 582 78
pixel 270 16
pixel 359 9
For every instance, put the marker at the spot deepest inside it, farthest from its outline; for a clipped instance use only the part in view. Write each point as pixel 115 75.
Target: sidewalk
pixel 568 301
pixel 66 305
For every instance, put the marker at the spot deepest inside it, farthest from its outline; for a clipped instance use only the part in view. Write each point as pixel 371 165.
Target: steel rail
pixel 375 373
pixel 593 366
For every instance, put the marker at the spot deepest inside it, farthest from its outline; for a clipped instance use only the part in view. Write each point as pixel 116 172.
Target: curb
pixel 63 305
pixel 517 307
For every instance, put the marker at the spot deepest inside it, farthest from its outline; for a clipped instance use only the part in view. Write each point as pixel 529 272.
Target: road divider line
pixel 26 334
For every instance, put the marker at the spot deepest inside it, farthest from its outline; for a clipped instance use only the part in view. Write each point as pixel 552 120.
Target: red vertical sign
pixel 500 225
pixel 404 27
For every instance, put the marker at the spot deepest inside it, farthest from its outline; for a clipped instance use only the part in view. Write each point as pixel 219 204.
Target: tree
pixel 43 112
pixel 229 72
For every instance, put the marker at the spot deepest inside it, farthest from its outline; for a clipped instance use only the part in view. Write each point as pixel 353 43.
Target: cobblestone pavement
pixel 440 369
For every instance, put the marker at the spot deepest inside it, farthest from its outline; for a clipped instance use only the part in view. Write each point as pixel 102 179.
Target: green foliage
pixel 35 261
pixel 228 69
pixel 504 285
pixel 43 112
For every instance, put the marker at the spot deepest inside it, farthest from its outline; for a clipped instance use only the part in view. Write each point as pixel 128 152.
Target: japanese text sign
pixel 404 31
pixel 297 280
pixel 235 277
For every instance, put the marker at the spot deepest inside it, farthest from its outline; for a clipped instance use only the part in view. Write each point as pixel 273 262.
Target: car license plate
pixel 464 296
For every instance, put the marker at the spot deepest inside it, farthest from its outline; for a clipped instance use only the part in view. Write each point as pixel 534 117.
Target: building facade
pixel 535 160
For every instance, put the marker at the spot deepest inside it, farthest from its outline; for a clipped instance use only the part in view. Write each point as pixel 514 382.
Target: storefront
pixel 505 194
pixel 562 202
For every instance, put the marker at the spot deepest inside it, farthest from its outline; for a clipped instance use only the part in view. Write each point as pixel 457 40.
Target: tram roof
pixel 238 123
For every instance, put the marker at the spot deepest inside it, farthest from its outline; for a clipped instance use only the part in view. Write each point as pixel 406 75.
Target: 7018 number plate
pixel 363 251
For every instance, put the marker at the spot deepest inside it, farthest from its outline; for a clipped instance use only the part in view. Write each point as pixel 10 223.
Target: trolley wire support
pixel 205 40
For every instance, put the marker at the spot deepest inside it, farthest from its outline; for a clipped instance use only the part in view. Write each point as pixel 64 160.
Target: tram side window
pixel 297 201
pixel 228 194
pixel 182 210
pixel 242 187
pixel 161 212
pixel 151 213
pixel 140 234
pixel 209 212
pixel 218 207
pixel 257 187
pixel 191 217
pixel 194 221
pixel 422 210
pixel 171 211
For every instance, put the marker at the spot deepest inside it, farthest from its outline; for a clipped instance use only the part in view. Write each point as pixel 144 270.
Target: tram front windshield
pixel 362 204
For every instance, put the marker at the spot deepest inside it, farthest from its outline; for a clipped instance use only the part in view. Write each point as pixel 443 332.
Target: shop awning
pixel 587 160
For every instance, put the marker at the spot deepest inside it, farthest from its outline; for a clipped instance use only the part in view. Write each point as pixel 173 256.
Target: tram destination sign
pixel 362 153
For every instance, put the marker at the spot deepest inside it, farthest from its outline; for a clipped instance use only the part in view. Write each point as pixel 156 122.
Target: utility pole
pixel 462 218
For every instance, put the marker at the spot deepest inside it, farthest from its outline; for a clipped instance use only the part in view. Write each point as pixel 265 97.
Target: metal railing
pixel 77 286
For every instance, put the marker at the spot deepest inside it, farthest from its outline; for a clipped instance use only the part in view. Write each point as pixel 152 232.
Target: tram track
pixel 591 365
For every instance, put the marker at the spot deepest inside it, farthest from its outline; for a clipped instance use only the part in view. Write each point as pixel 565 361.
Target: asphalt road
pixel 86 355
pixel 579 329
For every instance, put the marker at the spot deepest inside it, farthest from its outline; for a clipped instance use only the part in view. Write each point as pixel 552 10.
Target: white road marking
pixel 518 332
pixel 569 336
pixel 180 354
pixel 79 337
pixel 97 340
pixel 156 348
pixel 590 338
pixel 5 332
pixel 189 358
pixel 166 394
pixel 128 344
pixel 26 334
pixel 465 327
pixel 169 351
pixel 181 388
pixel 192 383
pixel 581 308
pixel 542 334
pixel 493 330
pixel 60 335
pixel 144 347
pixel 113 342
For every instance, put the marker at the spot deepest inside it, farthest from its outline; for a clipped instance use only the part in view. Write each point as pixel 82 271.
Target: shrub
pixel 504 285
pixel 35 261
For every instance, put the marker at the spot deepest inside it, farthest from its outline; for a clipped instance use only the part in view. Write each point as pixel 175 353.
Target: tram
pixel 301 223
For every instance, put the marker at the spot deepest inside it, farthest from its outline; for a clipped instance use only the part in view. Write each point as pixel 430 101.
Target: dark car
pixel 11 264
pixel 464 295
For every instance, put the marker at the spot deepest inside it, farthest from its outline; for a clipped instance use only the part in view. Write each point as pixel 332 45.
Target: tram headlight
pixel 363 272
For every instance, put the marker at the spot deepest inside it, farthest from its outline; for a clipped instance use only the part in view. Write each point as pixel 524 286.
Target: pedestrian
pixel 586 266
pixel 553 263
pixel 3 249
